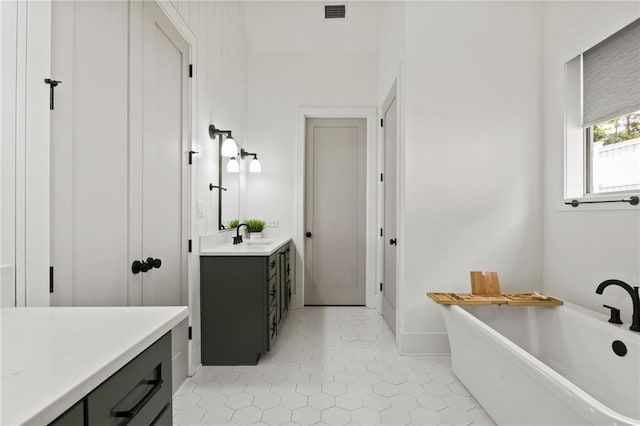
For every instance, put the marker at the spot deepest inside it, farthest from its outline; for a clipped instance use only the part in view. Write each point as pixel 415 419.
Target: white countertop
pixel 52 357
pixel 260 247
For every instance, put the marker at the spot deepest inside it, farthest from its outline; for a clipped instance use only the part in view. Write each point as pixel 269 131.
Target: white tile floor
pixel 330 366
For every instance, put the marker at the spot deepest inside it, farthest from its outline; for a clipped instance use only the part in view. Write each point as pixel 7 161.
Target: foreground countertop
pixel 53 357
pixel 261 247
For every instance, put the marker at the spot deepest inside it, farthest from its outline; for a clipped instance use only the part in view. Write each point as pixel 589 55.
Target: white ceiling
pixel 299 26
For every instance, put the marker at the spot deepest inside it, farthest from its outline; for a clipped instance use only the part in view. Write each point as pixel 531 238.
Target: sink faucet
pixel 238 238
pixel 635 298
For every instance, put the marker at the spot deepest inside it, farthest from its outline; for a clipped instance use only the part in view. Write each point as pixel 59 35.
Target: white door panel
pixel 164 144
pixel 89 154
pixel 390 223
pixel 335 212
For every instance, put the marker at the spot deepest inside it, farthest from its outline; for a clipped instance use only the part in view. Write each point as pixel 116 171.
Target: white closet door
pixel 164 162
pixel 89 153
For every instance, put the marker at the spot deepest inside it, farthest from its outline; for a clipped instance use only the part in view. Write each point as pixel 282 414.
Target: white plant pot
pixel 255 235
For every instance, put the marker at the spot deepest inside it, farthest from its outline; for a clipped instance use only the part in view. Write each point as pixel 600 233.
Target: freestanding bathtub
pixel 546 365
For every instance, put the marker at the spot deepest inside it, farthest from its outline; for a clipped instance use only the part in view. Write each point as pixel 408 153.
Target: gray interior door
pixel 390 222
pixel 335 212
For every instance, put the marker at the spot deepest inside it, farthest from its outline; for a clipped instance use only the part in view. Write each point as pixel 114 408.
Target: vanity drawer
pixel 273 292
pixel 138 393
pixel 272 266
pixel 273 324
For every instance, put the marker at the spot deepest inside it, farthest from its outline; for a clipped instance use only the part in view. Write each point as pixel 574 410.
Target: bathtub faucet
pixel 635 298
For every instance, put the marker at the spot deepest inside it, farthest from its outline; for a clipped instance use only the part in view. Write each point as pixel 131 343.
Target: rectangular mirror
pixel 228 201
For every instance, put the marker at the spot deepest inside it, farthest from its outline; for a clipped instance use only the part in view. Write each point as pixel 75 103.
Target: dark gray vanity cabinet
pixel 285 274
pixel 74 416
pixel 243 301
pixel 137 394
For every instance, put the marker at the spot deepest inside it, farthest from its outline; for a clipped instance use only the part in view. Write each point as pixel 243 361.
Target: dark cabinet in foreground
pixel 137 394
pixel 243 302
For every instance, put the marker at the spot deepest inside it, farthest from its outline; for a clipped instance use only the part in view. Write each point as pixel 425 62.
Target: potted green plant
pixel 255 228
pixel 233 223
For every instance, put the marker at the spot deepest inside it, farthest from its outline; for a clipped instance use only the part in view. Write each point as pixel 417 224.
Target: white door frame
pixel 370 114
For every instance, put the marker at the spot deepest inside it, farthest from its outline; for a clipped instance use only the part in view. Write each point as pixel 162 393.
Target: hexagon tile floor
pixel 330 366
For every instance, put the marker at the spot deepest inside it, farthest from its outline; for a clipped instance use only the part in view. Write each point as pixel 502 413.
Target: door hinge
pixel 190 70
pixel 190 245
pixel 381 232
pixel 382 122
pixel 381 177
pixel 50 279
pixel 191 156
pixel 380 286
pixel 190 333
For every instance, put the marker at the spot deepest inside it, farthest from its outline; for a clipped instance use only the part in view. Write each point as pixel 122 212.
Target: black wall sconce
pixel 254 166
pixel 229 147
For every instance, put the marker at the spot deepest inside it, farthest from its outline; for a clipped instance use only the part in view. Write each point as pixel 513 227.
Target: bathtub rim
pixel 560 386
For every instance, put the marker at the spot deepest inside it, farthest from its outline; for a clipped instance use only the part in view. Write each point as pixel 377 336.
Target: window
pixel 602 117
pixel 613 154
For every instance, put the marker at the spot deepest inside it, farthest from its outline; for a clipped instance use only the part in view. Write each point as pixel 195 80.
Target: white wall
pixel 472 172
pixel 391 45
pixel 279 84
pixel 586 245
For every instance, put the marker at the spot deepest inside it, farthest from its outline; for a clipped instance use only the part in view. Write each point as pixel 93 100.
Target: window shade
pixel 611 76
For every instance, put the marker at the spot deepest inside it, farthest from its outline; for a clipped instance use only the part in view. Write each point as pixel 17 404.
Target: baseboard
pixel 423 343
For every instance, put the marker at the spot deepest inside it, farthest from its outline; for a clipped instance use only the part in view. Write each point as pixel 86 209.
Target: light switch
pixel 273 223
pixel 200 208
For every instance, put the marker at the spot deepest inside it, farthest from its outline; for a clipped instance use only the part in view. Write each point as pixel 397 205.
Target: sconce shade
pixel 255 166
pixel 233 166
pixel 229 148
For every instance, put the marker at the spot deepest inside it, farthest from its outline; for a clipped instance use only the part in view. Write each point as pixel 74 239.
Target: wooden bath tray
pixel 514 299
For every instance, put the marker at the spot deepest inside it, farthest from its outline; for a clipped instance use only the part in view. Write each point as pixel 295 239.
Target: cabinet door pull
pixel 157 384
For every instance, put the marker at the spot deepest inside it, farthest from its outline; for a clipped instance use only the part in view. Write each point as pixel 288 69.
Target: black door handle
pixel 137 267
pixel 393 242
pixel 154 263
pixel 308 234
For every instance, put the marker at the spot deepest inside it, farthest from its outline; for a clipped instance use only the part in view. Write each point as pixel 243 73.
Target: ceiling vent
pixel 335 11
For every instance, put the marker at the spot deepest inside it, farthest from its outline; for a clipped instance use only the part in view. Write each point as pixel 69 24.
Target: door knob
pixel 308 234
pixel 137 267
pixel 144 267
pixel 393 242
pixel 154 263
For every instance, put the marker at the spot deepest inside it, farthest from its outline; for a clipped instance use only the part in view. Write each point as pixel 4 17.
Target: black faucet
pixel 238 238
pixel 635 298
